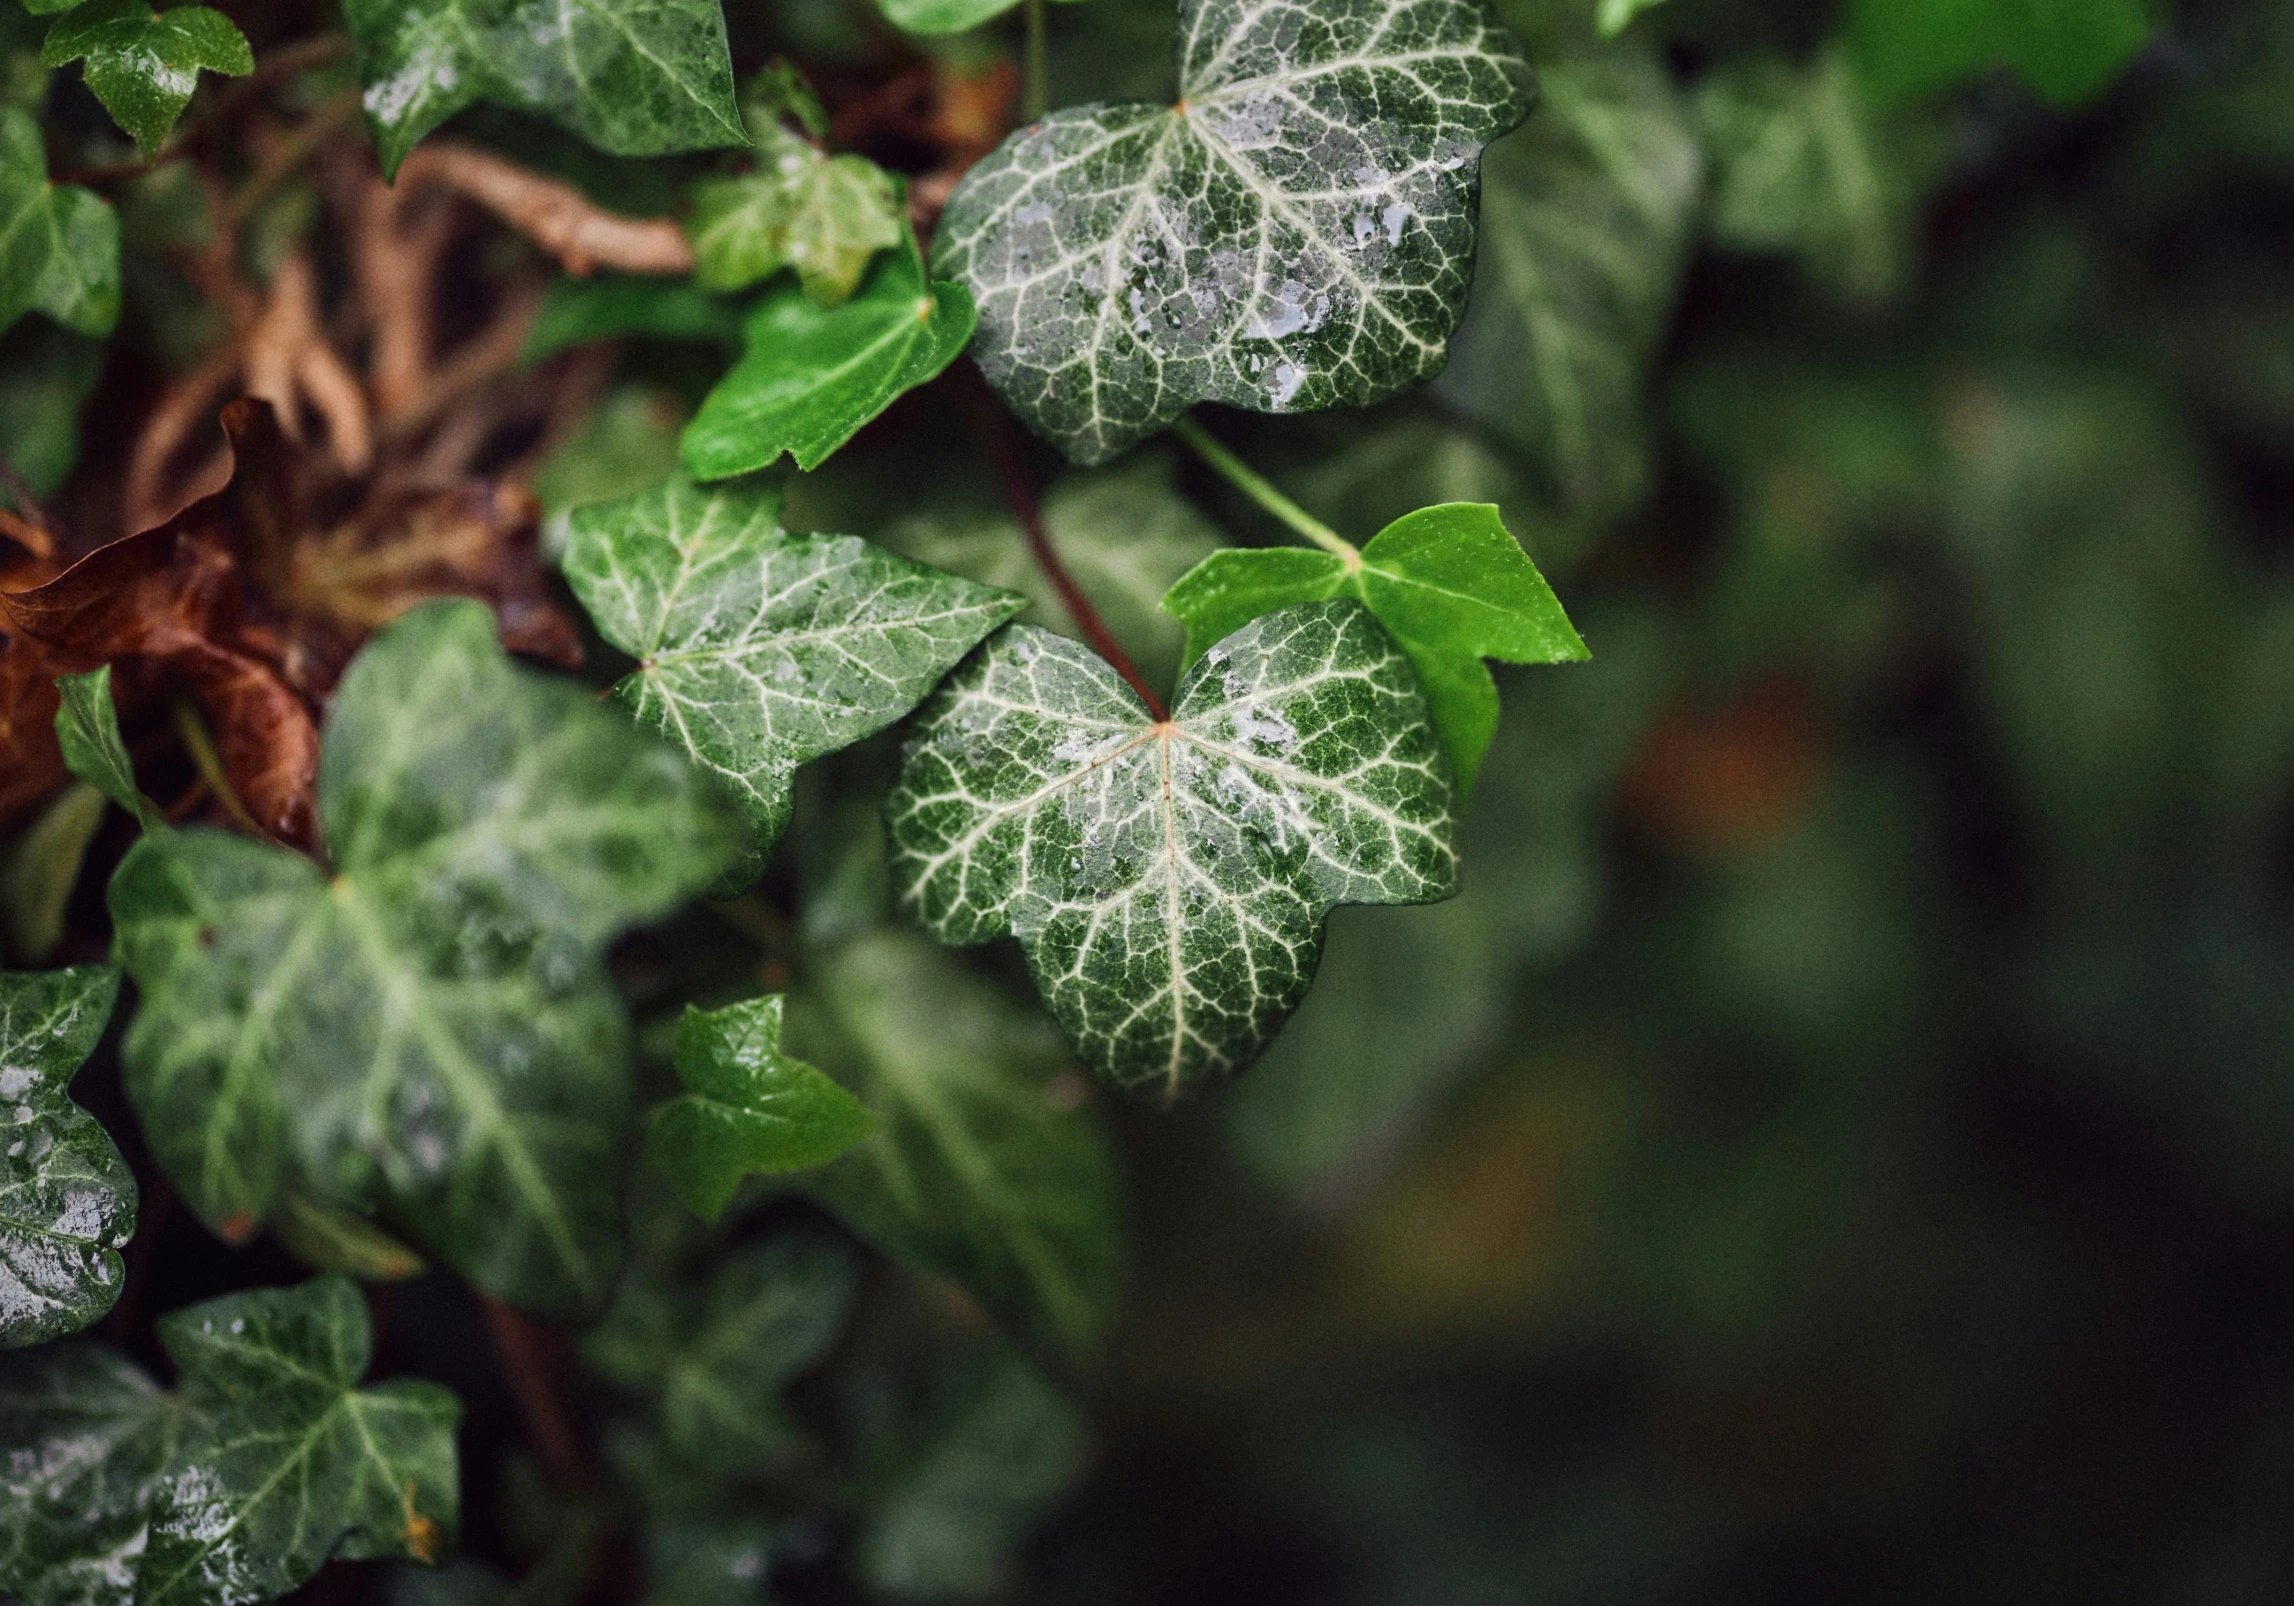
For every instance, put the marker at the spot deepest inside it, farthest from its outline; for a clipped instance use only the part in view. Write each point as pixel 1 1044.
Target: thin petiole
pixel 1254 485
pixel 209 763
pixel 1039 62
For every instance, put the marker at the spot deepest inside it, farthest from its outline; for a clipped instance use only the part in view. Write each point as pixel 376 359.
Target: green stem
pixel 1254 485
pixel 209 763
pixel 1039 62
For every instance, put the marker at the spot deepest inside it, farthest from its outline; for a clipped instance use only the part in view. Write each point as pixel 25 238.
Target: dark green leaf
pixel 59 244
pixel 986 1169
pixel 1297 232
pixel 429 1032
pixel 84 1439
pixel 1449 583
pixel 634 77
pixel 46 376
pixel 1586 221
pixel 1168 881
pixel 810 376
pixel 748 1108
pixel 87 728
pixel 67 1199
pixel 613 306
pixel 142 64
pixel 2069 53
pixel 41 867
pixel 759 650
pixel 825 216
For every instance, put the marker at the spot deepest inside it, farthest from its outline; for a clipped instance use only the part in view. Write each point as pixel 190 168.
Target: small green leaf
pixel 1295 233
pixel 84 1439
pixel 987 1169
pixel 1449 583
pixel 87 728
pixel 759 650
pixel 286 1462
pixel 67 1199
pixel 142 64
pixel 825 216
pixel 614 306
pixel 641 79
pixel 748 1108
pixel 1617 15
pixel 942 16
pixel 715 1363
pixel 41 867
pixel 327 1237
pixel 2069 53
pixel 59 244
pixel 810 376
pixel 430 1031
pixel 1168 879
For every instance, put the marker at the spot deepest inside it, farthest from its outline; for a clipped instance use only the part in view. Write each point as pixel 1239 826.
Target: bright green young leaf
pixel 87 728
pixel 634 77
pixel 1587 216
pixel 759 650
pixel 59 244
pixel 810 375
pixel 987 1170
pixel 1448 583
pixel 951 1522
pixel 2068 50
pixel 84 1439
pixel 67 1199
pixel 747 1108
pixel 1296 232
pixel 1125 532
pixel 825 216
pixel 142 64
pixel 1617 15
pixel 1168 881
pixel 715 1363
pixel 942 16
pixel 615 306
pixel 429 1032
pixel 286 1462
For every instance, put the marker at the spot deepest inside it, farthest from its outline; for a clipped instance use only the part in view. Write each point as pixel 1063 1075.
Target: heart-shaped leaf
pixel 1168 880
pixel 634 77
pixel 1297 232
pixel 67 1199
pixel 810 376
pixel 1450 584
pixel 59 244
pixel 143 64
pixel 748 1108
pixel 428 1032
pixel 759 650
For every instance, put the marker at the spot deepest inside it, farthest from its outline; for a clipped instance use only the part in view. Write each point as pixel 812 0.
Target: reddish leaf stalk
pixel 526 1352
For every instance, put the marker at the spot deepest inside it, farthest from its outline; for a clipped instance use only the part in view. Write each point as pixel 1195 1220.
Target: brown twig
pixel 289 153
pixel 559 218
pixel 996 430
pixel 524 1350
pixel 271 70
pixel 288 357
pixel 209 764
pixel 183 409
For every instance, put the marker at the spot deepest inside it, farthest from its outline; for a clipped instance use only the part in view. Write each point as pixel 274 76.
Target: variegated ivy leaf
pixel 634 77
pixel 267 1460
pixel 759 650
pixel 1168 880
pixel 59 243
pixel 1297 232
pixel 142 64
pixel 428 1032
pixel 67 1199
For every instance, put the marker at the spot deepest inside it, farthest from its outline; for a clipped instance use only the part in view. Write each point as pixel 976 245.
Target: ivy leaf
pixel 87 729
pixel 634 77
pixel 326 1237
pixel 428 1033
pixel 142 64
pixel 85 1436
pixel 748 1108
pixel 286 1461
pixel 810 376
pixel 1296 233
pixel 942 16
pixel 1168 880
pixel 2069 53
pixel 1617 15
pixel 987 1169
pixel 1450 584
pixel 613 306
pixel 716 1363
pixel 67 1199
pixel 1587 217
pixel 59 243
pixel 759 650
pixel 825 216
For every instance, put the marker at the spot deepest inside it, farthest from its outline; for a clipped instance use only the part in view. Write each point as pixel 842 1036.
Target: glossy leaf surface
pixel 142 64
pixel 810 376
pixel 748 1107
pixel 85 1436
pixel 1297 232
pixel 634 77
pixel 87 729
pixel 1168 882
pixel 429 1031
pixel 759 650
pixel 1450 584
pixel 59 244
pixel 67 1199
